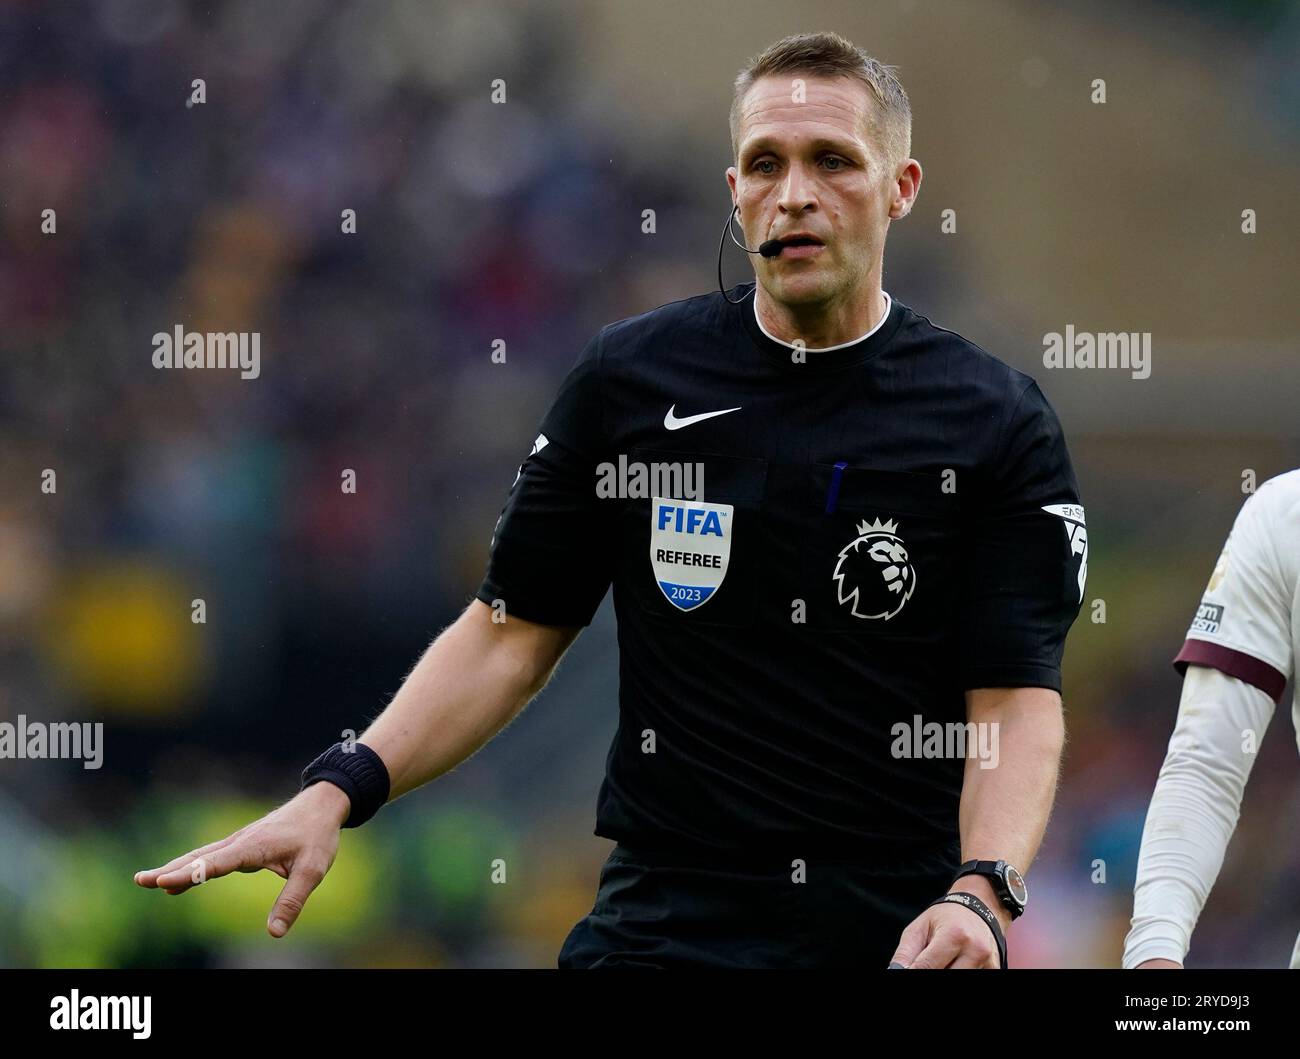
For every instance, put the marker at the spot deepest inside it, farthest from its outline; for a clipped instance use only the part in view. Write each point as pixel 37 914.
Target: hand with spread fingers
pixel 298 841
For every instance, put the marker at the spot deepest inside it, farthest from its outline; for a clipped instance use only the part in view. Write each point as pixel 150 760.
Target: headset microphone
pixel 770 248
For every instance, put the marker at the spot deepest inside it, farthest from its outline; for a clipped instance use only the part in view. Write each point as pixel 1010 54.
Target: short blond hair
pixel 830 55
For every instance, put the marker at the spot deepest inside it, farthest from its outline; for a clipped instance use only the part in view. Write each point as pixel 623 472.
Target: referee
pixel 842 597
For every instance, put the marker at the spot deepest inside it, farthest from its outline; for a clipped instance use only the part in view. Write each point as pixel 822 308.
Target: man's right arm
pixel 1236 659
pixel 466 687
pixel 469 684
pixel 550 564
pixel 1193 812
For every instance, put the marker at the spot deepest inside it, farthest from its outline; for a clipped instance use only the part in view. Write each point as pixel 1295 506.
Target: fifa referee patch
pixel 690 544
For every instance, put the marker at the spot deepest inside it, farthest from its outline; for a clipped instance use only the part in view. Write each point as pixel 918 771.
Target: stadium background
pixel 523 221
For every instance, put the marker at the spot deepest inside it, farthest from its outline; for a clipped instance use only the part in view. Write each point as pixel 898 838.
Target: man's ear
pixel 731 182
pixel 906 187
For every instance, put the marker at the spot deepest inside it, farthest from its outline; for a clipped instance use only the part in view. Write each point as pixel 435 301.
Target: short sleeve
pixel 550 557
pixel 1028 559
pixel 1242 626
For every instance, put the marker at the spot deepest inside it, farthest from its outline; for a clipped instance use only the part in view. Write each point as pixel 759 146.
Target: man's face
pixel 814 166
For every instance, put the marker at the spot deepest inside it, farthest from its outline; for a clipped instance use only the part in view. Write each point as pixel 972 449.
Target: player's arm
pixel 466 687
pixel 1236 658
pixel 1005 804
pixel 1193 812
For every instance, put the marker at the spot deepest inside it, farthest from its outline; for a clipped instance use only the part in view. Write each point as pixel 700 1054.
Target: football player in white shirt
pixel 1236 661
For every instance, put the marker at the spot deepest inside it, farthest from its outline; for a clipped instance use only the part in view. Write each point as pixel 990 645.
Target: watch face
pixel 1016 884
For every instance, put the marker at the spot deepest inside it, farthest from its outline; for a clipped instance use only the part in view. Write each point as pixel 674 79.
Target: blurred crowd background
pixel 522 221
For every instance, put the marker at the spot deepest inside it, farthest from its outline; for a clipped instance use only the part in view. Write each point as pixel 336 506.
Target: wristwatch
pixel 1008 883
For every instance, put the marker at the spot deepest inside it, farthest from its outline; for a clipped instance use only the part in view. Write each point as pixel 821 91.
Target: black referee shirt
pixel 814 555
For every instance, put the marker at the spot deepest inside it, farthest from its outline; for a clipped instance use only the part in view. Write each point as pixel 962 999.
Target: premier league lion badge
pixel 872 573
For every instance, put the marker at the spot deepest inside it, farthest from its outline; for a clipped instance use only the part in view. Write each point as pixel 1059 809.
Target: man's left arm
pixel 1004 811
pixel 1026 571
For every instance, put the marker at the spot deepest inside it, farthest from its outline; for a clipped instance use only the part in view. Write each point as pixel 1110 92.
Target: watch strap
pixel 980 867
pixel 989 869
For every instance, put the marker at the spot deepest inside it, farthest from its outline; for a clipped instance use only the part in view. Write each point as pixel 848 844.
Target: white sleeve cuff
pixel 1155 939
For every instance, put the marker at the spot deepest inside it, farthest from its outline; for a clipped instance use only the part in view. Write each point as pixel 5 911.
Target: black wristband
pixel 359 772
pixel 982 910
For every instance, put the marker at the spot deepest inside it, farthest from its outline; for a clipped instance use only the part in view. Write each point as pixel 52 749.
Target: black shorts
pixel 655 910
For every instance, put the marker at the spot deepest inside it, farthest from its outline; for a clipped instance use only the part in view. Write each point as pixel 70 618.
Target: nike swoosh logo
pixel 671 422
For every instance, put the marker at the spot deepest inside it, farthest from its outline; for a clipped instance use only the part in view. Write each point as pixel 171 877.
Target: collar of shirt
pixel 828 358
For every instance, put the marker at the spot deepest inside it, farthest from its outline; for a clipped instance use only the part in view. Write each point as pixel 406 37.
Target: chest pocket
pixel 878 551
pixel 693 559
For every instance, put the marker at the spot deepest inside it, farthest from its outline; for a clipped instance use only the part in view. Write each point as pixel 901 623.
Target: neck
pixel 821 324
